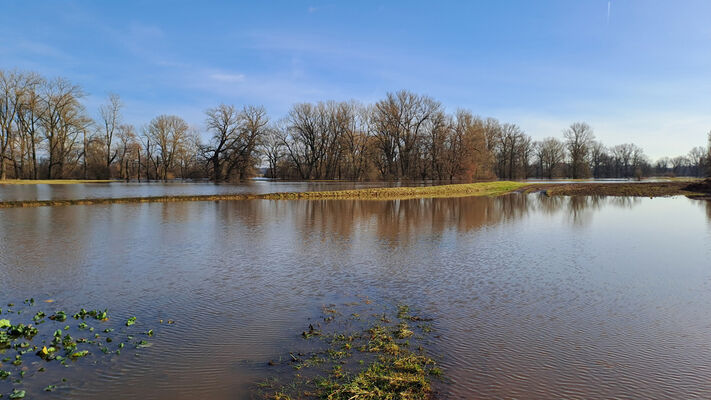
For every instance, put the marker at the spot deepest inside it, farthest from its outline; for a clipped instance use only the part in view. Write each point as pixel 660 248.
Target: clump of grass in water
pixel 378 357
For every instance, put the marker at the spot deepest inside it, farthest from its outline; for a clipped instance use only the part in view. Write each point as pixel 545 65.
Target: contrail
pixel 609 4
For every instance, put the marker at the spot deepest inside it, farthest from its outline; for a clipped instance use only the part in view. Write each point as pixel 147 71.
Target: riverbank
pixel 697 189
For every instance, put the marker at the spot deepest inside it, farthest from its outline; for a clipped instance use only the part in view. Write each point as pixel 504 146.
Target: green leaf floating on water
pixel 78 354
pixel 38 316
pixel 59 316
pixel 102 315
pixel 17 394
pixel 4 323
pixel 50 388
pixel 4 374
pixel 131 321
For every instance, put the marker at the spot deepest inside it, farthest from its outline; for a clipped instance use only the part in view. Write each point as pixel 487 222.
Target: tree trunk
pixel 216 169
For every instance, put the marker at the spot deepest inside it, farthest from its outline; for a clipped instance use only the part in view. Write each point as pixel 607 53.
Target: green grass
pixel 400 193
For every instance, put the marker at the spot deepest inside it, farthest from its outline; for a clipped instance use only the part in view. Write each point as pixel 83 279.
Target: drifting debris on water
pixel 374 356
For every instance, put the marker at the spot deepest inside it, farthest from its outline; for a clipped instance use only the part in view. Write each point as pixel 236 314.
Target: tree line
pixel 47 133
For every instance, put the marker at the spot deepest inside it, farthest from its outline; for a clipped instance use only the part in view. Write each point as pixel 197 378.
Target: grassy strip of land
pixel 402 193
pixel 52 181
pixel 397 193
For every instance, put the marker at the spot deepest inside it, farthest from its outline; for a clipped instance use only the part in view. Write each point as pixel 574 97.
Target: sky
pixel 635 70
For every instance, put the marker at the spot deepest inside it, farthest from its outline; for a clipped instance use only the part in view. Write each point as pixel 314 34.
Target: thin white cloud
pixel 229 78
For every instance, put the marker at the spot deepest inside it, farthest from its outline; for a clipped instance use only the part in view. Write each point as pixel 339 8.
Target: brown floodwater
pixel 532 297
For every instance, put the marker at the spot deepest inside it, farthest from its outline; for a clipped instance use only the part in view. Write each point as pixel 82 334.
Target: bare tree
pixel 273 149
pixel 696 159
pixel 678 164
pixel 11 93
pixel 466 153
pixel 399 122
pixel 110 114
pixel 356 141
pixel 168 134
pixel 254 122
pixel 29 117
pixel 436 134
pixel 622 155
pixel 551 155
pixel 599 156
pixel 579 137
pixel 512 151
pixel 63 120
pixel 223 122
pixel 128 150
pixel 303 139
pixel 662 165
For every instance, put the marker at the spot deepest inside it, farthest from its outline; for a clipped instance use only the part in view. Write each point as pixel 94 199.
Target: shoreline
pixel 491 189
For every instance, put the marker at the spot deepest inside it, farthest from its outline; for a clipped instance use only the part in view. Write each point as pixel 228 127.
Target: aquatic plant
pixel 378 357
pixel 54 344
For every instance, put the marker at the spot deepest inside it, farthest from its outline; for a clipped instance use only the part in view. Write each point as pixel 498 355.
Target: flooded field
pixel 530 296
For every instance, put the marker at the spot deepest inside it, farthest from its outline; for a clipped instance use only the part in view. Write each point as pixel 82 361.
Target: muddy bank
pixel 703 187
pixel 633 189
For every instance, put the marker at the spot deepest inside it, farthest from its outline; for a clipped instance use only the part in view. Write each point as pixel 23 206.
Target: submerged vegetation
pixel 33 342
pixel 358 355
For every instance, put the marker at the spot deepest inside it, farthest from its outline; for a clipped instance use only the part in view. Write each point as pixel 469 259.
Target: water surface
pixel 533 297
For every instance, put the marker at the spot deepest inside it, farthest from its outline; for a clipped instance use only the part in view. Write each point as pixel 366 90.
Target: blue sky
pixel 641 73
